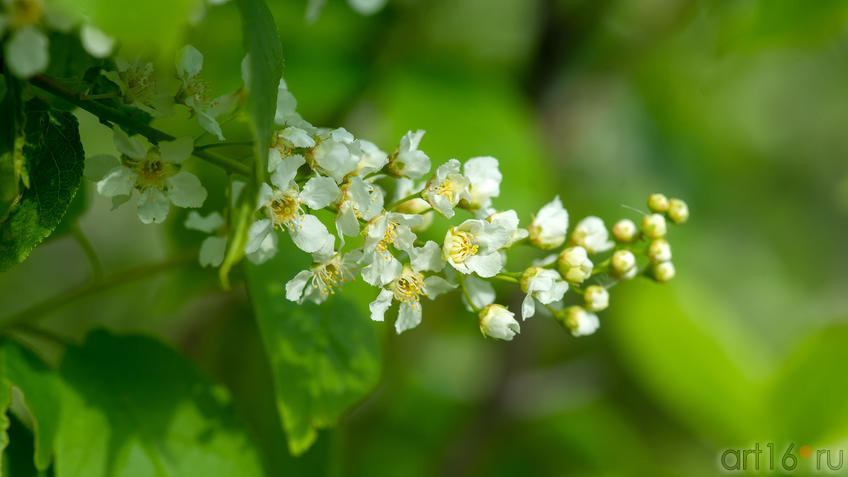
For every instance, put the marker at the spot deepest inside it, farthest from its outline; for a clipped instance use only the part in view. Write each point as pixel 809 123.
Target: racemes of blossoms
pixel 363 213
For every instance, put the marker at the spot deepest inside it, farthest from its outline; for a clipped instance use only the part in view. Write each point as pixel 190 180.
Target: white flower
pixel 285 113
pixel 480 291
pixel 485 180
pixel 213 247
pixel 139 87
pixel 95 42
pixel 548 228
pixel 447 188
pixel 361 200
pixel 591 234
pixel 543 285
pixel 332 156
pixel 156 173
pixel 407 289
pixel 473 247
pixel 194 92
pixel 496 321
pixel 370 158
pixel 409 161
pixel 596 298
pixel 624 231
pixel 328 272
pixel 574 264
pixel 384 232
pixel 580 321
pixel 27 52
pixel 659 251
pixel 283 205
pixel 663 271
pixel 508 220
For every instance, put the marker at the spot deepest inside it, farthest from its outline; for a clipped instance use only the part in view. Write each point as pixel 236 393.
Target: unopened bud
pixel 496 321
pixel 623 231
pixel 659 251
pixel 663 271
pixel 527 276
pixel 623 264
pixel 654 226
pixel 596 298
pixel 578 321
pixel 658 203
pixel 574 264
pixel 678 211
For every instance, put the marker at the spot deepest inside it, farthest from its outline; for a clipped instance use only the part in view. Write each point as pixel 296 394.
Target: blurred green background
pixel 738 107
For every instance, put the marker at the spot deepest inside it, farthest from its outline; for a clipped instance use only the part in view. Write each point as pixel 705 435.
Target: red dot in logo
pixel 805 451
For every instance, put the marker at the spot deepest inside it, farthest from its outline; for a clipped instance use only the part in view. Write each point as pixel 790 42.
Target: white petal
pixel 528 306
pixel 487 265
pixel 177 150
pixel 153 206
pixel 484 176
pixel 427 258
pixel 294 287
pixel 319 192
pixel 127 145
pixel 212 251
pixel 366 7
pixel 256 234
pixel 437 285
pixel 341 135
pixel 266 194
pixel 190 62
pixel 346 222
pixel 481 292
pixel 410 140
pixel 286 170
pixel 267 249
pixel 310 234
pixel 383 270
pixel 27 52
pixel 185 190
pixel 274 159
pixel 379 306
pixel 408 317
pixel 207 224
pixel 209 124
pixel 95 42
pixel 96 167
pixel 118 181
pixel 298 137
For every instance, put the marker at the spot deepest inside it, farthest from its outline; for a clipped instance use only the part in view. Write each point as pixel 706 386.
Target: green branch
pixel 120 118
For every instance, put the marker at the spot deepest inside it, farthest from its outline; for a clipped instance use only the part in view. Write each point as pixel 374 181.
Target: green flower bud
pixel 527 276
pixel 678 211
pixel 653 226
pixel 659 251
pixel 596 298
pixel 663 271
pixel 574 264
pixel 658 203
pixel 578 321
pixel 623 231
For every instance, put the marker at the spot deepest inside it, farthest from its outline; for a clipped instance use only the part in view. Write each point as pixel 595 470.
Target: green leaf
pixel 11 145
pixel 134 406
pixel 265 67
pixel 41 393
pixel 54 161
pixel 324 359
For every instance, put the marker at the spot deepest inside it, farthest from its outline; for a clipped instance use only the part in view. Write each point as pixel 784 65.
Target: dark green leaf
pixel 323 358
pixel 18 458
pixel 134 406
pixel 55 161
pixel 41 393
pixel 265 67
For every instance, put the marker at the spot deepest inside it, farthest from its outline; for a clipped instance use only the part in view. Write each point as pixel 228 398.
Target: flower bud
pixel 654 226
pixel 574 264
pixel 663 271
pixel 658 203
pixel 547 231
pixel 496 321
pixel 527 276
pixel 678 211
pixel 659 251
pixel 579 321
pixel 623 231
pixel 623 264
pixel 596 298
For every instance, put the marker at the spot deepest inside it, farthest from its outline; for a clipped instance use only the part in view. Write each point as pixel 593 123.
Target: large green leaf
pixel 264 69
pixel 323 358
pixel 134 407
pixel 41 392
pixel 54 158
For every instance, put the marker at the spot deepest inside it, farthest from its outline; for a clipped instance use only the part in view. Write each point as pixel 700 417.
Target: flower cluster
pixel 359 211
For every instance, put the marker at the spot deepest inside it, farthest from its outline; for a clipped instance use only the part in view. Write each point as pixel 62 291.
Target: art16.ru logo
pixel 771 458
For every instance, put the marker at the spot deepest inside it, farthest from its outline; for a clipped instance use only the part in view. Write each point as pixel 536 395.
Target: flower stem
pixel 506 278
pixel 90 253
pixel 83 291
pixel 396 203
pixel 120 118
pixel 466 295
